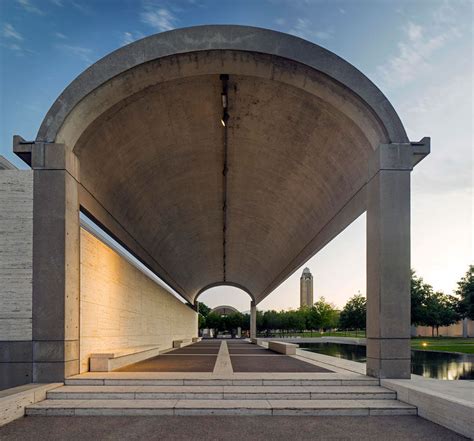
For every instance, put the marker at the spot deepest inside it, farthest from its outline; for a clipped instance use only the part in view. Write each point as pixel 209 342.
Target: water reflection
pixel 439 365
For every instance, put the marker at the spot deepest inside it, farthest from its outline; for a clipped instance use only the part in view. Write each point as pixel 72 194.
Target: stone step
pixel 220 392
pixel 359 381
pixel 219 407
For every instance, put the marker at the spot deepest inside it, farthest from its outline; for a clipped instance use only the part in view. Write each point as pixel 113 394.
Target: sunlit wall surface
pixel 121 307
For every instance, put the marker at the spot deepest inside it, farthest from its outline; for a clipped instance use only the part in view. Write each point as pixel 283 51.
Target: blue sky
pixel 419 52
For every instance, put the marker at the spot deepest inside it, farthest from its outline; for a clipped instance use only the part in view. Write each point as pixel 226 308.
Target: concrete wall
pixel 455 330
pixel 16 257
pixel 122 307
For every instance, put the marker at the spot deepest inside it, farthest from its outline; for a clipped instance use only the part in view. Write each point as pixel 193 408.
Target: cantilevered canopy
pixel 202 204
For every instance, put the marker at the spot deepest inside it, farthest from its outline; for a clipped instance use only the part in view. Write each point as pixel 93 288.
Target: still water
pixel 440 365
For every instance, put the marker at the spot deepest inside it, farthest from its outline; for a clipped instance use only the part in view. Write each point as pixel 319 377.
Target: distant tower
pixel 306 288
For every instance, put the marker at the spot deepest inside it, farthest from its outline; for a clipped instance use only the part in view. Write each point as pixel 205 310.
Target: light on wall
pixel 225 100
pixel 225 118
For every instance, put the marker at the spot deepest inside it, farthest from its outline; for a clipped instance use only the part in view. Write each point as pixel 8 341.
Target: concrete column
pixel 196 306
pixel 465 332
pixel 56 264
pixel 253 319
pixel 388 262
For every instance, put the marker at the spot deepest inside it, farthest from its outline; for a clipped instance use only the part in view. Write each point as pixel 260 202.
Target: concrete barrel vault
pixel 136 142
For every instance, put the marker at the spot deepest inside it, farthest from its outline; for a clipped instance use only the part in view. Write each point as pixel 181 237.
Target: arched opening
pixel 225 311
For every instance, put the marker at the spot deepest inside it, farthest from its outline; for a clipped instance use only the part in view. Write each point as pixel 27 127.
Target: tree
pixel 271 321
pixel 322 315
pixel 214 321
pixel 204 310
pixel 234 321
pixel 440 310
pixel 420 291
pixel 201 321
pixel 245 322
pixel 295 320
pixel 353 315
pixel 465 291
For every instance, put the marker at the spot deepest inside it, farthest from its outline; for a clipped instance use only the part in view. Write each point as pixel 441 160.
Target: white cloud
pixel 413 54
pixel 57 2
pixel 9 31
pixel 419 44
pixel 414 31
pixel 81 7
pixel 29 7
pixel 77 51
pixel 130 37
pixel 14 47
pixel 280 21
pixel 443 110
pixel 60 35
pixel 305 29
pixel 160 19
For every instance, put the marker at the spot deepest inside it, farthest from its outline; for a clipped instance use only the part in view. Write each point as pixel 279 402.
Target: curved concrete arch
pixel 304 124
pixel 223 308
pixel 310 143
pixel 217 284
pixel 221 37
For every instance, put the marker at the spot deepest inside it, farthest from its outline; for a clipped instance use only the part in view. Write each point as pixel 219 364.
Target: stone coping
pixel 109 361
pixel 341 363
pixel 13 401
pixel 210 375
pixel 123 352
pixel 449 403
pixel 342 340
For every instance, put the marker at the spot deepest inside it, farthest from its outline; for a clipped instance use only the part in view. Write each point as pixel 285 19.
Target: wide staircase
pixel 259 396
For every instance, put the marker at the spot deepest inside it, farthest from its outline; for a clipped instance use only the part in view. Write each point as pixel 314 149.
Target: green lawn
pixel 445 344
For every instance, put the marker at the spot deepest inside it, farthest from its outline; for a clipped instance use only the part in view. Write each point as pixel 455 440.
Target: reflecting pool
pixel 439 365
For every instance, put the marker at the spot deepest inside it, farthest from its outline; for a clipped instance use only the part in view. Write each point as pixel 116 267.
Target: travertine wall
pixel 455 330
pixel 122 307
pixel 16 272
pixel 16 254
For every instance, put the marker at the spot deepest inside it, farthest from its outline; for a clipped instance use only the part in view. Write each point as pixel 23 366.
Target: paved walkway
pixel 228 428
pixel 223 357
pixel 206 368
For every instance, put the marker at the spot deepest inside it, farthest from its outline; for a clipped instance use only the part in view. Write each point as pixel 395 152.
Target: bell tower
pixel 306 288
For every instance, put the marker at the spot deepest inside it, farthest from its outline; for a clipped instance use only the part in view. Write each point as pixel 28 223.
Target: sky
pixel 418 52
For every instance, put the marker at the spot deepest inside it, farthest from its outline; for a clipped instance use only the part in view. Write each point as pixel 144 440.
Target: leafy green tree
pixel 271 321
pixel 440 310
pixel 203 313
pixel 201 321
pixel 433 309
pixel 322 315
pixel 420 292
pixel 296 320
pixel 465 291
pixel 245 322
pixel 259 321
pixel 204 310
pixel 234 321
pixel 353 315
pixel 214 321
